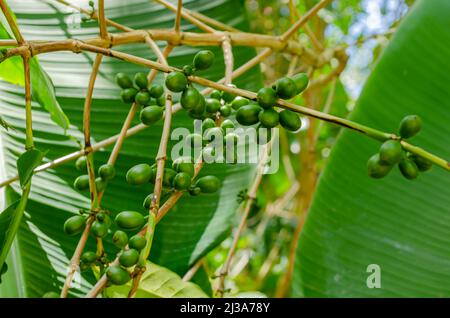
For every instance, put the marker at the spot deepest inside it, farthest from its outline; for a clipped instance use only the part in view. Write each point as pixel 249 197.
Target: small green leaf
pixel 159 282
pixel 27 162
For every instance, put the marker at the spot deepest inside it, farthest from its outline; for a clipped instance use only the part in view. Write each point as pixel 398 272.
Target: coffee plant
pixel 122 248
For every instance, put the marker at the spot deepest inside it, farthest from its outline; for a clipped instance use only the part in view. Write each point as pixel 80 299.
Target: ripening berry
pixel 139 174
pixel 129 257
pixel 182 181
pixel 137 242
pixel 227 124
pixel 123 80
pixel 74 225
pixel 212 105
pixel 225 110
pixel 238 102
pixel 140 80
pixel 301 82
pixel 81 164
pixel 89 257
pixel 410 126
pixel 269 118
pixel 120 239
pixel 190 98
pixel 391 152
pixel 156 90
pixel 421 163
pixel 81 183
pixel 127 95
pixel 142 98
pixel 107 171
pixel 203 60
pixel 208 184
pixel 290 120
pixel 151 114
pixel 184 164
pixel 198 110
pixel 168 177
pixel 129 220
pixel 248 115
pixel 376 168
pixel 99 229
pixel 267 97
pixel 408 168
pixel 176 82
pixel 285 88
pixel 117 275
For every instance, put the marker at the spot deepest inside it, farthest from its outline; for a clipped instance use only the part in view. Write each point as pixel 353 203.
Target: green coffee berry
pixel 88 257
pixel 127 95
pixel 225 110
pixel 107 171
pixel 228 97
pixel 185 165
pixel 120 239
pixel 208 184
pixel 203 59
pixel 129 220
pixel 408 168
pixel 156 90
pixel 199 109
pixel 212 105
pixel 227 124
pixel 100 184
pixel 285 88
pixel 301 82
pixel 123 80
pixel 99 229
pixel 290 120
pixel 139 174
pixel 137 242
pixel 269 118
pixel 117 275
pixel 168 177
pixel 376 168
pixel 142 98
pixel 190 98
pixel 216 94
pixel 208 123
pixel 74 225
pixel 410 126
pixel 81 164
pixel 81 183
pixel 391 152
pixel 194 191
pixel 161 101
pixel 140 80
pixel 176 82
pixel 129 257
pixel 421 163
pixel 151 114
pixel 238 102
pixel 182 181
pixel 267 97
pixel 188 70
pixel 248 115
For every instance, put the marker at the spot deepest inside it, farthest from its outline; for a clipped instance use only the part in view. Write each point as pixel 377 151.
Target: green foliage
pixel 389 222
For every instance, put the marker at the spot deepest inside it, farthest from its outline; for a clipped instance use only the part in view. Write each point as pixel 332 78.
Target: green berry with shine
pixel 410 126
pixel 117 275
pixel 100 184
pixel 89 257
pixel 248 115
pixel 142 98
pixel 225 110
pixel 203 60
pixel 129 257
pixel 156 90
pixel 227 124
pixel 129 220
pixel 208 184
pixel 267 97
pixel 123 80
pixel 421 163
pixel 391 152
pixel 151 114
pixel 107 171
pixel 120 239
pixel 212 105
pixel 216 94
pixel 194 191
pixel 190 98
pixel 184 164
pixel 182 181
pixel 286 88
pixel 161 101
pixel 409 169
pixel 137 242
pixel 176 82
pixel 81 183
pixel 376 168
pixel 208 123
pixel 74 225
pixel 301 82
pixel 139 174
pixel 81 164
pixel 140 80
pixel 238 102
pixel 188 70
pixel 127 95
pixel 290 120
pixel 269 118
pixel 168 177
pixel 99 229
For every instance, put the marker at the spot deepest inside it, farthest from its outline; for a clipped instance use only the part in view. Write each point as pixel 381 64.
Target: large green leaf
pixel 158 282
pixel 402 226
pixel 190 230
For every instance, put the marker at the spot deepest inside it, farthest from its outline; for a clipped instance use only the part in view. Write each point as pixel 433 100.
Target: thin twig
pixel 101 19
pixel 191 272
pixel 326 110
pixel 178 16
pixel 12 22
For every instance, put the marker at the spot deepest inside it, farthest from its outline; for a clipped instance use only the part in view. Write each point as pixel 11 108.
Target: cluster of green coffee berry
pixel 106 173
pixel 391 153
pixel 179 178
